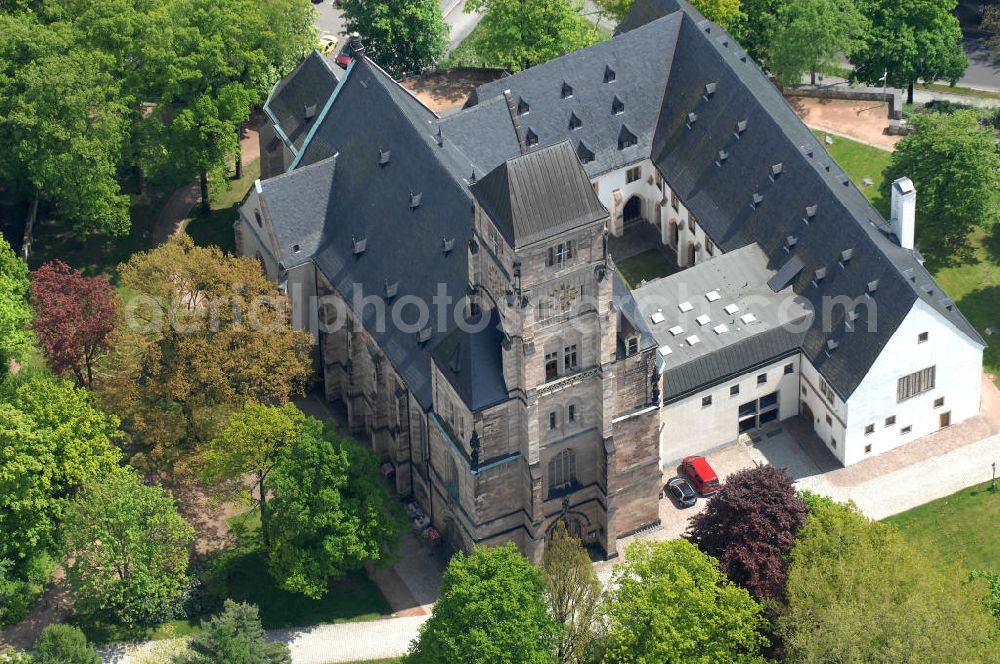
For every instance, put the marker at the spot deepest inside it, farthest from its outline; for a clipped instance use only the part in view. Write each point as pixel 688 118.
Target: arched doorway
pixel 806 412
pixel 633 210
pixel 675 234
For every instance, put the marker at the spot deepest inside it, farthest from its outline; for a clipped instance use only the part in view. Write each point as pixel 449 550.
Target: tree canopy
pixel 991 26
pixel 15 313
pixel 205 334
pixel 955 167
pixel 750 525
pixel 574 594
pixel 126 550
pixel 858 592
pixel 811 34
pixel 65 644
pixel 724 12
pixel 234 636
pixel 330 511
pixel 402 36
pixel 491 611
pixel 918 40
pixel 669 602
pixel 518 34
pixel 74 317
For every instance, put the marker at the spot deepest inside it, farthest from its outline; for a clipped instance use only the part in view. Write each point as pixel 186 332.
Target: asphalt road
pixel 984 70
pixel 330 18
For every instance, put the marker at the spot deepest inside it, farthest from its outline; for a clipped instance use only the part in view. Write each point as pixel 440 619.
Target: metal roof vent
pixel 391 289
pixel 791 241
pixel 296 248
pixel 743 57
pixel 567 90
pixel 872 286
pixel 776 170
pixel 831 345
pixel 758 198
pixel 447 245
pixel 472 178
pixel 415 200
pixel 807 150
pixel 852 315
pixel 692 118
pixel 309 112
pixel 383 157
pixel 609 74
pixel 440 137
pixel 359 246
pixel 819 275
pixel 424 335
pixel 722 157
pixel 522 107
pixel 846 255
pixel 741 127
pixel 574 121
pixel 811 211
pixel 709 90
pixel 844 180
pixel 617 106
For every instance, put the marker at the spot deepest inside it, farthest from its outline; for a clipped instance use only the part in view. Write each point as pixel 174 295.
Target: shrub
pixel 65 644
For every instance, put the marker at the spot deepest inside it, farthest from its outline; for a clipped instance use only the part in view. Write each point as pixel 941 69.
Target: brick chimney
pixel 904 212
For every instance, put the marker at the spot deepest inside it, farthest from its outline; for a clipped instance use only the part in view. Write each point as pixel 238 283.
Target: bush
pixel 21 586
pixel 65 644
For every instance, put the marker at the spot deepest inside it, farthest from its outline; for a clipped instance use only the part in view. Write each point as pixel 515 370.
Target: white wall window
pixel 915 383
pixel 827 391
pixel 633 174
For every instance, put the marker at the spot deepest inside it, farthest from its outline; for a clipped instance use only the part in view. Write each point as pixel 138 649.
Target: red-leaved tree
pixel 750 526
pixel 74 316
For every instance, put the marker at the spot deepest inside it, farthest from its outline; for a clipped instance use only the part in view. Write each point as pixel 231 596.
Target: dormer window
pixel 585 154
pixel 609 75
pixel 522 107
pixel 567 90
pixel 617 106
pixel 260 221
pixel 574 121
pixel 530 138
pixel 626 139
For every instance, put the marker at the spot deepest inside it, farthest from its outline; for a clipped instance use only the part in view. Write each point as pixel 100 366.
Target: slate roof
pixel 470 358
pixel 538 195
pixel 685 91
pixel 307 87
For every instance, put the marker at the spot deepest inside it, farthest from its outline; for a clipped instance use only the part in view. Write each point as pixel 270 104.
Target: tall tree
pixel 491 611
pixel 750 526
pixel 205 334
pixel 669 602
pixel 917 40
pixel 126 550
pixel 74 317
pixel 813 34
pixel 15 314
pixel 330 511
pixel 252 443
pixel 574 595
pixel 402 36
pixel 519 34
pixel 235 636
pixel 857 592
pixel 954 165
pixel 724 12
pixel 757 25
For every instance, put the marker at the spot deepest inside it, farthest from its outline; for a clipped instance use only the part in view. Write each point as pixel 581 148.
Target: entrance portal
pixel 633 210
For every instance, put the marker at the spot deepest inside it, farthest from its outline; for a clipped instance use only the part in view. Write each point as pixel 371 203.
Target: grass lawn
pixel 216 227
pixel 861 161
pixel 962 526
pixel 650 264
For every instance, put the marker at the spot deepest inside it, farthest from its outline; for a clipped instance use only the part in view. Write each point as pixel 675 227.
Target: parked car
pixel 701 474
pixel 327 43
pixel 345 56
pixel 681 491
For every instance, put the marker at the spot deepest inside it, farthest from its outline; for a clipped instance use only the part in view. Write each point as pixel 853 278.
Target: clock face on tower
pixel 563 297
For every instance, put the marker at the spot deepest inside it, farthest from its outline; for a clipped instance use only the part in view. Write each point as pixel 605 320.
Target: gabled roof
pixel 297 99
pixel 538 195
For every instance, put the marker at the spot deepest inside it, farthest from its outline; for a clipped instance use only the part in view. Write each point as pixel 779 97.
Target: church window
pixel 562 471
pixel 569 358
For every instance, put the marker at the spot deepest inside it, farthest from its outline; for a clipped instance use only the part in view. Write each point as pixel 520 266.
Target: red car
pixel 702 476
pixel 345 56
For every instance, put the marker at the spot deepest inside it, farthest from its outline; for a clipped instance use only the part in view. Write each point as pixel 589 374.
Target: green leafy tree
pixel 574 594
pixel 235 636
pixel 126 549
pixel 518 34
pixel 757 25
pixel 991 26
pixel 491 611
pixel 858 592
pixel 65 644
pixel 330 511
pixel 252 443
pixel 402 36
pixel 15 313
pixel 917 40
pixel 670 603
pixel 724 12
pixel 954 166
pixel 812 34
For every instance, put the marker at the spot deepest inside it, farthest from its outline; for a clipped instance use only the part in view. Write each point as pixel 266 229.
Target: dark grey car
pixel 681 492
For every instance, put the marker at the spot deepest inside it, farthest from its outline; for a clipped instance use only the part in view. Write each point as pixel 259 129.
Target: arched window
pixel 451 481
pixel 562 472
